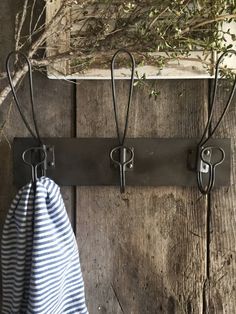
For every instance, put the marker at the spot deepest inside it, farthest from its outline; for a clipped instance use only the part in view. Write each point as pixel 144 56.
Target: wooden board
pixel 55 119
pixel 144 251
pixel 222 233
pixel 55 113
pixel 151 250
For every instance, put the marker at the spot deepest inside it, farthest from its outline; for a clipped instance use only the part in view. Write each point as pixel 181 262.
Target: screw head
pixel 207 152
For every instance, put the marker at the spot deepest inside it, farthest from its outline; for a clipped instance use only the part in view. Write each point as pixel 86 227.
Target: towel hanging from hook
pixel 208 156
pixel 47 236
pixel 41 149
pixel 122 156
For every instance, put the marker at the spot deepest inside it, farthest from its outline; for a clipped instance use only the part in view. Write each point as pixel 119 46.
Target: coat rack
pixel 157 162
pixel 143 162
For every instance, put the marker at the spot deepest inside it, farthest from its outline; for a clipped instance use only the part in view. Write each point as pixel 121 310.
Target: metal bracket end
pixel 50 160
pixel 194 162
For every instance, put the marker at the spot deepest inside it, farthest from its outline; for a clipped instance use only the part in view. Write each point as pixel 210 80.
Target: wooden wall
pixel 151 250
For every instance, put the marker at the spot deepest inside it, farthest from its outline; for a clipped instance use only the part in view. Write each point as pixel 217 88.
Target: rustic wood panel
pixel 54 107
pixel 222 249
pixel 54 101
pixel 144 251
pixel 55 112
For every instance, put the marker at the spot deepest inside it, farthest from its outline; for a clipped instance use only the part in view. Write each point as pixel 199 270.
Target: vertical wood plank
pixel 144 251
pixel 54 111
pixel 222 268
pixel 54 107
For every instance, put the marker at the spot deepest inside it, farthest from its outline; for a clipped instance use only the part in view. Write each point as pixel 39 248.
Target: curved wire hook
pixel 34 167
pixel 207 134
pixel 121 141
pixel 211 168
pixel 37 136
pixel 213 102
pixel 123 162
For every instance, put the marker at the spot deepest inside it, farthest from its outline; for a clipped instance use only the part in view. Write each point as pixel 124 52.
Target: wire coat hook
pixel 121 155
pixel 206 162
pixel 34 165
pixel 35 134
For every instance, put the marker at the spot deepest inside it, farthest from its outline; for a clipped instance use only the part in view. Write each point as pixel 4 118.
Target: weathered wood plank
pixel 222 268
pixel 54 108
pixel 144 251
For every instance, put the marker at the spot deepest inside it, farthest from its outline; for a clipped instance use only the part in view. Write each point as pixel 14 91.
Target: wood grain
pixel 144 251
pixel 54 107
pixel 54 112
pixel 222 268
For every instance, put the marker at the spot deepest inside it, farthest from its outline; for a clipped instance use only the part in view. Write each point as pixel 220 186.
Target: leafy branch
pixel 79 35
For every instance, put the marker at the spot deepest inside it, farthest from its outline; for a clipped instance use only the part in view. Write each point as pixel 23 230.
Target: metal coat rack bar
pixel 86 161
pixel 138 161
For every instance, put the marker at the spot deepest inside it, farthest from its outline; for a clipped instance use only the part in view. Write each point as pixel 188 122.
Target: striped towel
pixel 40 260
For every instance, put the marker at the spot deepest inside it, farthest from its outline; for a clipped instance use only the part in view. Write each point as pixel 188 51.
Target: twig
pixel 157 17
pixel 39 18
pixel 2 128
pixel 16 79
pixel 217 19
pixel 22 20
pixel 31 20
pixel 51 26
pixel 16 25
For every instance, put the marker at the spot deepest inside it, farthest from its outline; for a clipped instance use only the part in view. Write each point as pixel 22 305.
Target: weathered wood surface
pixel 54 112
pixel 222 232
pixel 54 106
pixel 144 251
pixel 150 250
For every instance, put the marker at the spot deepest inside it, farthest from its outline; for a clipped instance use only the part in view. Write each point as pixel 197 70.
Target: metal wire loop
pixel 35 166
pixel 205 138
pixel 122 139
pixel 207 134
pixel 36 133
pixel 122 161
pixel 206 189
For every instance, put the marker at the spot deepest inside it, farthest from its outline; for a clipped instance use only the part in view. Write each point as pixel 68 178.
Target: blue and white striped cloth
pixel 40 260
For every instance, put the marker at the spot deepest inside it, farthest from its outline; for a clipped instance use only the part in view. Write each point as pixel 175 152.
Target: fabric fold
pixel 40 259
